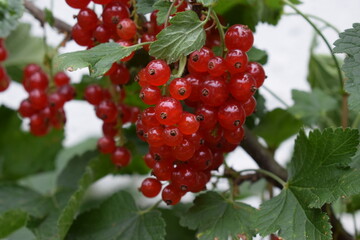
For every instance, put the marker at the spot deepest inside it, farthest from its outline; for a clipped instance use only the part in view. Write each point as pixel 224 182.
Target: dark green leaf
pixel 349 43
pixel 11 221
pixel 208 3
pixel 163 7
pixel 173 229
pixel 118 218
pixel 312 107
pixel 49 17
pixel 10 12
pixel 257 55
pixel 37 153
pixel 145 6
pixel 320 168
pixel 211 213
pixel 98 59
pixel 294 219
pixel 185 35
pixel 22 54
pixel 353 204
pixel 277 126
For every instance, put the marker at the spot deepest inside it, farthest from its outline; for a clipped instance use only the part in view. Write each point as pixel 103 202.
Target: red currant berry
pixel 106 145
pixel 150 187
pixel 157 72
pixel 113 13
pixel 202 159
pixel 26 109
pixel 171 195
pixel 216 66
pixel 154 136
pixel 198 60
pixel 81 36
pixel 56 101
pixel 106 111
pixel 231 115
pixel 234 136
pixel 168 111
pixel 121 157
pixel 150 95
pixel 236 61
pixel 242 86
pixel 257 71
pixel 184 151
pixel 77 3
pixel 180 88
pixel 148 118
pixel 188 124
pixel 101 34
pixel 184 177
pixel 67 91
pixel 87 19
pixel 207 116
pixel 249 106
pixel 239 37
pixel 149 160
pixel 109 129
pixel 121 75
pixel 61 79
pixel 4 80
pixel 195 88
pixel 126 29
pixel 147 37
pixel 94 94
pixel 30 69
pixel 163 169
pixel 38 99
pixel 214 92
pixel 172 136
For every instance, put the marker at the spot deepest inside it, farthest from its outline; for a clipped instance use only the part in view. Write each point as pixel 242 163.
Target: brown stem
pixel 40 16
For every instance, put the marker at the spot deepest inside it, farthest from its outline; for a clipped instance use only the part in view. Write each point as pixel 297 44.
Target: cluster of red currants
pixel 4 78
pixel 45 104
pixel 109 107
pixel 184 147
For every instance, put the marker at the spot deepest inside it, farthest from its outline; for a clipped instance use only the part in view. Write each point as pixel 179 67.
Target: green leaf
pixel 353 204
pixel 257 55
pixel 49 17
pixel 322 73
pixel 98 59
pixel 118 218
pixel 145 6
pixel 10 12
pixel 208 3
pixel 277 126
pixel 349 43
pixel 294 219
pixel 163 7
pixel 216 218
pixel 320 166
pixel 22 54
pixel 174 231
pixel 37 153
pixel 312 107
pixel 185 35
pixel 12 220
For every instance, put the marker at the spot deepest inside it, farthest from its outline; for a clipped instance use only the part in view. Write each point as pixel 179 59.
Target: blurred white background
pixel 287 45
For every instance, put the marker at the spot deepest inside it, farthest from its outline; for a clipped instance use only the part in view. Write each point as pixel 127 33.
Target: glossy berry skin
pixel 249 106
pixel 113 13
pixel 154 136
pixel 109 129
pixel 202 159
pixel 163 169
pixel 171 195
pixel 38 99
pixel 87 19
pixel 168 111
pixel 184 178
pixel 150 94
pixel 195 87
pixel 149 160
pixel 198 60
pixel 102 1
pixel 207 116
pixel 257 71
pixel 126 29
pixel 180 88
pixel 148 118
pixel 184 151
pixel 242 86
pixel 61 79
pixel 30 69
pixel 26 109
pixel 93 94
pixel 188 124
pixel 67 91
pixel 120 75
pixel 234 136
pixel 121 157
pixel 157 72
pixel 214 92
pixel 56 101
pixel 172 136
pixel 147 37
pixel 106 111
pixel 38 80
pixel 231 115
pixel 81 36
pixel 150 187
pixel 239 37
pixel 216 66
pixel 77 3
pixel 101 34
pixel 106 145
pixel 236 61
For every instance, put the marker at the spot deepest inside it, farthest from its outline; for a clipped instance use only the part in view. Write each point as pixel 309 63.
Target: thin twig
pixel 40 16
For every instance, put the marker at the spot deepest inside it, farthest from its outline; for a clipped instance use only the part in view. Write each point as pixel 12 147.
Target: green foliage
pixel 257 55
pixel 37 153
pixel 185 35
pixel 163 6
pixel 219 212
pixel 12 220
pixel 10 12
pixel 49 17
pixel 98 59
pixel 312 107
pixel 208 3
pixel 349 43
pixel 145 6
pixel 277 126
pixel 118 218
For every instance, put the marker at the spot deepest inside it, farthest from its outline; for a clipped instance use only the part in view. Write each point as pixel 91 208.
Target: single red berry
pixel 77 3
pixel 184 177
pixel 180 88
pixel 195 88
pixel 200 58
pixel 121 75
pixel 150 187
pixel 239 37
pixel 257 71
pixel 106 145
pixel 154 136
pixel 218 160
pixel 109 129
pixel 4 80
pixel 93 94
pixel 184 151
pixel 231 115
pixel 56 101
pixel 141 78
pixel 126 29
pixel 214 91
pixel 249 106
pixel 38 99
pixel 200 184
pixel 148 118
pixel 30 69
pixel 202 159
pixel 188 124
pixel 162 153
pixel 149 160
pixel 101 34
pixel 87 19
pixel 236 61
pixel 26 109
pixel 168 111
pixel 172 136
pixel 234 136
pixel 59 119
pixel 216 66
pixel 106 111
pixel 150 94
pixel 196 139
pixel 38 80
pixel 113 13
pixel 67 91
pixel 121 157
pixel 81 36
pixel 171 195
pixel 206 116
pixel 242 86
pixel 38 125
pixel 163 169
pixel 157 72
pixel 61 79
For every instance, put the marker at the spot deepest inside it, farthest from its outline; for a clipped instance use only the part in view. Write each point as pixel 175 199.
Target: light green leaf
pixel 163 7
pixel 49 17
pixel 98 59
pixel 37 153
pixel 10 12
pixel 145 6
pixel 208 3
pixel 11 221
pixel 312 107
pixel 349 43
pixel 118 218
pixel 277 126
pixel 294 219
pixel 185 35
pixel 216 218
pixel 257 55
